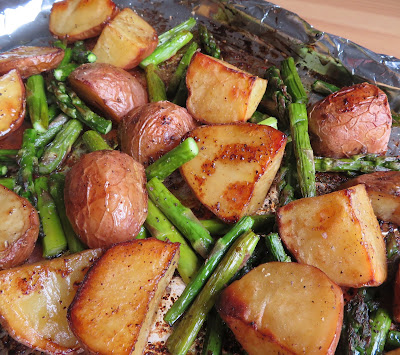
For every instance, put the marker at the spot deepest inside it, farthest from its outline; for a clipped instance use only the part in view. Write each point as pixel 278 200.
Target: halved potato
pixel 126 40
pixel 30 60
pixel 285 309
pixel 12 103
pixel 339 234
pixel 34 301
pixel 235 167
pixel 396 297
pixel 80 19
pixel 115 306
pixel 220 92
pixel 19 228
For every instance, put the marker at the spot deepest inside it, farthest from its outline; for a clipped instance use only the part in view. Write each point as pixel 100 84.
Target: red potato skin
pixel 150 131
pixel 354 120
pixel 105 198
pixel 110 90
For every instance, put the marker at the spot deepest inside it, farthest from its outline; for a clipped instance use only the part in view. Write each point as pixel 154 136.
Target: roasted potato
pixel 354 120
pixel 109 90
pixel 75 20
pixel 339 234
pixel 235 167
pixel 19 228
pixel 12 103
pixel 284 308
pixel 383 188
pixel 126 40
pixel 105 198
pixel 150 131
pixel 30 60
pixel 220 92
pixel 34 301
pixel 116 304
pixel 396 298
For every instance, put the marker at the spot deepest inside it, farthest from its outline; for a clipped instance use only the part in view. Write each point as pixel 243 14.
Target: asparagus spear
pixel 324 88
pixel 270 121
pixel 392 254
pixel 194 287
pixel 275 247
pixel 37 103
pixel 54 241
pixel 53 111
pixel 208 42
pixel 182 93
pixel 3 170
pixel 61 73
pixel 215 226
pixel 56 184
pixel 8 155
pixel 293 82
pixel 81 55
pixel 143 234
pixel 380 327
pixel 393 339
pixel 184 26
pixel 172 160
pixel 167 49
pixel 95 141
pixel 257 117
pixel 155 85
pixel 60 147
pixel 8 182
pixel 213 340
pixel 186 332
pixel 160 228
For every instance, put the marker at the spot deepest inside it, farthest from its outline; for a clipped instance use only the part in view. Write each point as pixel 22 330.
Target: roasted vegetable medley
pixel 156 198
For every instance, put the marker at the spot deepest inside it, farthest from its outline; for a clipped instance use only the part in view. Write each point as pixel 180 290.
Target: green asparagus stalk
pixel 54 241
pixel 60 147
pixel 270 121
pixel 182 93
pixel 393 339
pixel 193 288
pixel 181 217
pixel 380 327
pixel 169 162
pixel 324 88
pixel 53 111
pixel 395 118
pixel 392 254
pixel 215 226
pixel 95 141
pixel 56 185
pixel 60 44
pixel 184 26
pixel 257 117
pixel 263 222
pixel 287 195
pixel 213 340
pixel 275 247
pixel 293 82
pixel 81 55
pixel 155 85
pixel 3 170
pixel 8 182
pixel 8 156
pixel 180 72
pixel 62 72
pixel 67 57
pixel 167 49
pixel 186 331
pixel 208 42
pixel 37 103
pixel 143 234
pixel 159 227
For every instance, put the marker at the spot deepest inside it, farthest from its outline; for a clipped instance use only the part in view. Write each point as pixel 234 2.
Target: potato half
pixel 12 103
pixel 354 120
pixel 150 131
pixel 105 198
pixel 19 228
pixel 285 309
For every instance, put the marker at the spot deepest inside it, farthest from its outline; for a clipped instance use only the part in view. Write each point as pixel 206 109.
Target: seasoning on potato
pixel 105 198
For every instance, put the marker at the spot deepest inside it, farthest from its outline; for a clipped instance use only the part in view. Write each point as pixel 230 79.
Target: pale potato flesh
pixel 116 304
pixel 284 308
pixel 220 92
pixel 12 102
pixel 34 301
pixel 339 234
pixel 126 40
pixel 235 167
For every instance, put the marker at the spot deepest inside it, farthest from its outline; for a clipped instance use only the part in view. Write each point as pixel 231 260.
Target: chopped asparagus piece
pixel 37 103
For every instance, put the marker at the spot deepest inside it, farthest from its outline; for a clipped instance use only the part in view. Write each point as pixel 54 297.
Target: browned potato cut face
pixel 220 92
pixel 111 91
pixel 105 198
pixel 396 298
pixel 126 40
pixel 354 120
pixel 235 167
pixel 150 131
pixel 34 301
pixel 115 306
pixel 383 188
pixel 19 228
pixel 393 352
pixel 284 308
pixel 80 19
pixel 30 60
pixel 12 103
pixel 339 234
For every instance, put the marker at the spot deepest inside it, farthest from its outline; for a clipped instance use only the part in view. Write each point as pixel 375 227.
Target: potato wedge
pixel 75 20
pixel 34 301
pixel 396 297
pixel 235 167
pixel 339 234
pixel 260 307
pixel 383 188
pixel 115 306
pixel 12 103
pixel 126 40
pixel 220 92
pixel 30 60
pixel 19 228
